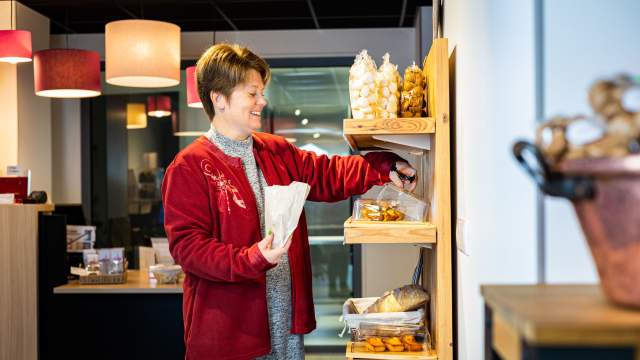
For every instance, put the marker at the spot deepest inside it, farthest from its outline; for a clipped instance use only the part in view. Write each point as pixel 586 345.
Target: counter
pixel 136 320
pixel 137 283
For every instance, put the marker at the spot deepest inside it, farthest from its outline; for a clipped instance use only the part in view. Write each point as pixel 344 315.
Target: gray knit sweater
pixel 284 345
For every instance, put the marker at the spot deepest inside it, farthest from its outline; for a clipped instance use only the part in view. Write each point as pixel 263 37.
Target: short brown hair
pixel 224 66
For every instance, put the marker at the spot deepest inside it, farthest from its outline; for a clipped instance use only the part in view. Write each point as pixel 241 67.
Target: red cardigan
pixel 212 223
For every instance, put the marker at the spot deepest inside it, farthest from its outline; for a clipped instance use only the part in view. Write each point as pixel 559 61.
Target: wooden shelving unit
pixel 424 355
pixel 376 232
pixel 411 134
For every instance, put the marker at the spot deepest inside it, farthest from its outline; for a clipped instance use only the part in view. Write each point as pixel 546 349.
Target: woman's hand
pixel 273 255
pixel 402 173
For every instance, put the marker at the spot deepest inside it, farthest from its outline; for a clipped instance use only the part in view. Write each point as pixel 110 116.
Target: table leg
pixel 489 353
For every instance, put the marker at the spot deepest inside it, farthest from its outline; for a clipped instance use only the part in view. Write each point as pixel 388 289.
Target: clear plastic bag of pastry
pixel 372 337
pixel 362 89
pixel 388 87
pixel 413 90
pixel 392 204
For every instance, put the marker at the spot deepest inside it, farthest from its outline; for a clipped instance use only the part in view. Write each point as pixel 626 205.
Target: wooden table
pixel 557 322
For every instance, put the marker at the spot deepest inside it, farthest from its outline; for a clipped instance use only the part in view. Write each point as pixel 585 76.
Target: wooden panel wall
pixel 18 281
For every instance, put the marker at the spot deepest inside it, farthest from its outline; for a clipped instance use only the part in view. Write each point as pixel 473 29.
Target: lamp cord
pixel 11 15
pixel 66 24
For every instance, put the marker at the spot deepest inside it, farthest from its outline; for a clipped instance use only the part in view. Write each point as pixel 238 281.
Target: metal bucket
pixel 605 194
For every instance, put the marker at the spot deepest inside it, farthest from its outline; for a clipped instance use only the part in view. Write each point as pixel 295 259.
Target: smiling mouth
pixel 255 113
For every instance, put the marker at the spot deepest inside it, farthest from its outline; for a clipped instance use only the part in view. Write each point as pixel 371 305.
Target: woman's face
pixel 244 106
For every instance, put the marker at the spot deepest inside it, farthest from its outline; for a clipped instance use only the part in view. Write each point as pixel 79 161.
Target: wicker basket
pixel 104 279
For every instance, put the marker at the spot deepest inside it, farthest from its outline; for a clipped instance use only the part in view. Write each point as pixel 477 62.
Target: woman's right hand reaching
pixel 272 255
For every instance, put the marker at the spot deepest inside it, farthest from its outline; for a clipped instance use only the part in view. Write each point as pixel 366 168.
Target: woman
pixel 243 299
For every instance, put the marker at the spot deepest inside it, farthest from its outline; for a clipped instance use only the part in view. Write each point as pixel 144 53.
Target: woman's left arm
pixel 339 177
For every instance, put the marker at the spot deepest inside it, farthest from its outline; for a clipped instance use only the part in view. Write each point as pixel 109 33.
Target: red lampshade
pixel 193 98
pixel 159 106
pixel 15 46
pixel 66 73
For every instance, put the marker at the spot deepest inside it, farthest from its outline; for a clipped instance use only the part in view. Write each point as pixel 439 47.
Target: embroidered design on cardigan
pixel 224 186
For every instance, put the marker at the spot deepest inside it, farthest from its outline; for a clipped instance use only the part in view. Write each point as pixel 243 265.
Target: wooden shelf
pixel 360 134
pixel 406 355
pixel 397 232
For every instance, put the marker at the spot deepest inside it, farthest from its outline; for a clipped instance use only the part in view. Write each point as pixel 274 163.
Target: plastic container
pixel 372 337
pixel 392 204
pixel 166 274
pixel 93 266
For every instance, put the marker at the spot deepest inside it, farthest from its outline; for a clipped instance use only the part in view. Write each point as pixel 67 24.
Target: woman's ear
pixel 219 101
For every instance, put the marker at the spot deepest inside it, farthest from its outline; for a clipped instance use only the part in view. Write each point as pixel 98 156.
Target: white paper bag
pixel 282 208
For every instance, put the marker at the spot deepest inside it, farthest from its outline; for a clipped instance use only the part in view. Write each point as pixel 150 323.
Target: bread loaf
pixel 406 298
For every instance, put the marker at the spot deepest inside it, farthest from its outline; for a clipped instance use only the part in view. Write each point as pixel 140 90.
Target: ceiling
pixel 90 16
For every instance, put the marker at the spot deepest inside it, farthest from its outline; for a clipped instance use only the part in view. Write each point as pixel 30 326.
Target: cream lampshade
pixel 142 53
pixel 189 124
pixel 136 116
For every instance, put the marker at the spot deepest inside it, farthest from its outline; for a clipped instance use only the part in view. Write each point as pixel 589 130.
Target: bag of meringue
pixel 413 89
pixel 387 84
pixel 362 89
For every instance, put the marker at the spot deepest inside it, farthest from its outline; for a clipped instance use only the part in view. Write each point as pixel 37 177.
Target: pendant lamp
pixel 142 53
pixel 193 98
pixel 15 45
pixel 178 127
pixel 66 73
pixel 136 116
pixel 159 106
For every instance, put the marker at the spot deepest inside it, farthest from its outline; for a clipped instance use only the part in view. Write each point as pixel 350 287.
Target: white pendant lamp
pixel 142 53
pixel 178 127
pixel 136 116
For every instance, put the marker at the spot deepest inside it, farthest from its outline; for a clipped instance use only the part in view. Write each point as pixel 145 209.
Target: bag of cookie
pixel 388 87
pixel 362 89
pixel 413 92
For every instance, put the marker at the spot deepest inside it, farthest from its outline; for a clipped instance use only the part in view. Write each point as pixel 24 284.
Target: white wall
pixel 424 31
pixel 601 41
pixel 67 159
pixel 25 129
pixel 34 112
pixel 8 101
pixel 494 105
